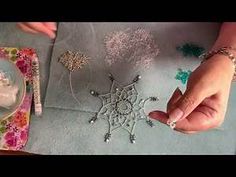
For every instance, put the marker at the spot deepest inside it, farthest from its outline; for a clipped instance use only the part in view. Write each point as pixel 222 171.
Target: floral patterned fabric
pixel 14 129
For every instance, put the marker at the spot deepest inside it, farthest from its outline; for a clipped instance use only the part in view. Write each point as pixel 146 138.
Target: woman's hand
pixel 204 103
pixel 47 28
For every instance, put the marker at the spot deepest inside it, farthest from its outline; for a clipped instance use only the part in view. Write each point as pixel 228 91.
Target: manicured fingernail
pixel 175 115
pixel 151 114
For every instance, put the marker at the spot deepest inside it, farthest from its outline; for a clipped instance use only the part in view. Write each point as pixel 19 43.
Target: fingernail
pixel 154 115
pixel 175 115
pixel 151 114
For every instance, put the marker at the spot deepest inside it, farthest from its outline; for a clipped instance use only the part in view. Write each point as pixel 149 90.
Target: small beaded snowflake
pixel 183 75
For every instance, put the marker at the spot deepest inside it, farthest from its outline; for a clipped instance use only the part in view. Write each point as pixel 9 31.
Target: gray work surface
pixel 65 131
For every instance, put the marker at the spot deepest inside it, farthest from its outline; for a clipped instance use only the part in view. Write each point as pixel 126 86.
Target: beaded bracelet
pixel 222 51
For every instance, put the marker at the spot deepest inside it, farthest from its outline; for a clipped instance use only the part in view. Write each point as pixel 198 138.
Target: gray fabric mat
pixel 68 132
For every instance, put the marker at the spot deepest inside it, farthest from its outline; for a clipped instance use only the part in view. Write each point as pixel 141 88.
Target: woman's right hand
pixel 47 28
pixel 204 103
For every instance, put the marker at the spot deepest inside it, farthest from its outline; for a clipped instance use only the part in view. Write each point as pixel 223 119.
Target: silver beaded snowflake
pixel 121 108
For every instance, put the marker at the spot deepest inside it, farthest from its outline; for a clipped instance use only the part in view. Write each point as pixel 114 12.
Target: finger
pixel 174 98
pixel 40 27
pixel 51 25
pixel 198 121
pixel 163 117
pixel 26 29
pixel 187 103
pixel 159 115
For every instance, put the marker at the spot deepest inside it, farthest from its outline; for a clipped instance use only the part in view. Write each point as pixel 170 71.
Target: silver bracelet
pixel 222 51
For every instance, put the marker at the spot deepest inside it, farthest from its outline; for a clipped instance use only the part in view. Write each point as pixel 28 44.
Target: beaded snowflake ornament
pixel 122 108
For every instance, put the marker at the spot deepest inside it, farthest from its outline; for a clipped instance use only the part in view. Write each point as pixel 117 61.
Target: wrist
pixel 222 58
pixel 223 64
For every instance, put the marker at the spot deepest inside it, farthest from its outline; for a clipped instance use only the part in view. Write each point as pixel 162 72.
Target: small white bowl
pixel 17 79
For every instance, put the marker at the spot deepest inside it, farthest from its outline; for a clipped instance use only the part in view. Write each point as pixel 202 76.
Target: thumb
pixel 192 97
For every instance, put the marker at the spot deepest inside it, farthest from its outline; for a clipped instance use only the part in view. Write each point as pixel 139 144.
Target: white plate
pixel 17 79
